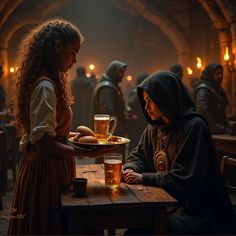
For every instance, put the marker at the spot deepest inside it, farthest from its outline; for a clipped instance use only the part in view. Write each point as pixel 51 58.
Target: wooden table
pixel 225 143
pixel 133 206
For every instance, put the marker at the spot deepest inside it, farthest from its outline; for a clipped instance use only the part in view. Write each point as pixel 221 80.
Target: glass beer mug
pixel 112 170
pixel 104 127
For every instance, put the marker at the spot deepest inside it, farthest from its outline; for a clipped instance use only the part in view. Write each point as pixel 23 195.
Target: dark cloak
pixel 193 176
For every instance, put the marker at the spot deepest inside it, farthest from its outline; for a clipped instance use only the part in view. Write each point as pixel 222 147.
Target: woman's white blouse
pixel 43 102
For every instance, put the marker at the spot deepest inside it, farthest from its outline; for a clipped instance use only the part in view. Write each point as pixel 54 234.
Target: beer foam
pixel 101 118
pixel 112 161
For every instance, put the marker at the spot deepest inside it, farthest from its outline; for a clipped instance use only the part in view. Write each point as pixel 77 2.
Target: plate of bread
pixel 85 138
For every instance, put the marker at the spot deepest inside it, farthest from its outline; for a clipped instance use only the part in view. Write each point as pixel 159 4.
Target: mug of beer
pixel 112 169
pixel 104 127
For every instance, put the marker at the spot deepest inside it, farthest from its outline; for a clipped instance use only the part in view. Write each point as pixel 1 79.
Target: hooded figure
pixel 211 100
pixel 108 97
pixel 81 90
pixel 176 153
pixel 178 70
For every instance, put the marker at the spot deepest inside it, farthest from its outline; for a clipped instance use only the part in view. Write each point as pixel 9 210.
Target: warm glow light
pixel 88 75
pixel 129 78
pixel 199 62
pixel 189 70
pixel 12 70
pixel 226 56
pixel 91 67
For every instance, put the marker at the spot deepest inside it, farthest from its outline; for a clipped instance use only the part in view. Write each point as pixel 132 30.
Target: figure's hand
pixel 132 177
pixel 124 172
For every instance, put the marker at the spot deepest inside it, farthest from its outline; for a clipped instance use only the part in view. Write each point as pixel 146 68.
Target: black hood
pixel 112 70
pixel 170 96
pixel 207 73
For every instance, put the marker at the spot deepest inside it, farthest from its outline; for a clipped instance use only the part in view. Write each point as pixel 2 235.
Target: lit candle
pixel 189 70
pixel 12 70
pixel 91 67
pixel 129 78
pixel 199 63
pixel 226 56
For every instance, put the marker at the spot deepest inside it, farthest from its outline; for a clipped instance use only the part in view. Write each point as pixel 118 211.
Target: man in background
pixel 81 90
pixel 108 97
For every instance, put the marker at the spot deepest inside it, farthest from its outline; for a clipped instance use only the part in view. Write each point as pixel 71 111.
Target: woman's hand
pixel 132 177
pixel 72 134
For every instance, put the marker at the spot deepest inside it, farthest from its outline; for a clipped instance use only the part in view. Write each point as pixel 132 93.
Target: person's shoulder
pixel 204 84
pixel 106 84
pixel 197 122
pixel 45 82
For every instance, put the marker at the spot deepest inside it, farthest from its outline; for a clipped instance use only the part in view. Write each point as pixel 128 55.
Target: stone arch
pixel 167 26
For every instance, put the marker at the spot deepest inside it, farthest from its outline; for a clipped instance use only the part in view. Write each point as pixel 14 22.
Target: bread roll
pixel 88 139
pixel 85 131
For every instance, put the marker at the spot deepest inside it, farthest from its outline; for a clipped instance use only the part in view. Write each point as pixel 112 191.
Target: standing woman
pixel 43 118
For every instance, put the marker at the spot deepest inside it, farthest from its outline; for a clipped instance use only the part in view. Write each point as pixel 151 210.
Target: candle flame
pixel 199 62
pixel 226 56
pixel 12 70
pixel 91 67
pixel 189 70
pixel 129 78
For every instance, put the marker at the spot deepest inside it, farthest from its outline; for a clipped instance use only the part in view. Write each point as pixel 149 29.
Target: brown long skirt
pixel 36 198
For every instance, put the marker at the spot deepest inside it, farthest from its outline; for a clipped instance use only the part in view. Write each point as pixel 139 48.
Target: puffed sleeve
pixel 43 111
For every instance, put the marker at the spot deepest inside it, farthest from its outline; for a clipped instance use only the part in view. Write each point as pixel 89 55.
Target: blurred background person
pixel 108 97
pixel 136 117
pixel 178 70
pixel 211 100
pixel 2 91
pixel 81 90
pixel 193 83
pixel 93 79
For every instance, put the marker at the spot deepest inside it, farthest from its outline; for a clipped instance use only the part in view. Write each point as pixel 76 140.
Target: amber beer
pixel 102 128
pixel 112 168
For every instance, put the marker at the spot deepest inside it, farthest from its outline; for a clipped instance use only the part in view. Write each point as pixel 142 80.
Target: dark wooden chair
pixel 12 149
pixel 228 167
pixel 1 157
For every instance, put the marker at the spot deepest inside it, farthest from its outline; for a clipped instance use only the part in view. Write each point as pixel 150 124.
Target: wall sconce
pixel 229 63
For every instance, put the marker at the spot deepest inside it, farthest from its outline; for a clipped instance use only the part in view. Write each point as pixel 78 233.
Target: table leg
pixel 159 221
pixel 76 224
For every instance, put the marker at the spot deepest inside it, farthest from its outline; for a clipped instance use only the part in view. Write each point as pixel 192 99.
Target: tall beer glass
pixel 104 127
pixel 112 169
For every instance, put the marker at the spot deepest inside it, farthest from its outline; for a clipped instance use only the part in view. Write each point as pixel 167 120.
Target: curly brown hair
pixel 39 56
